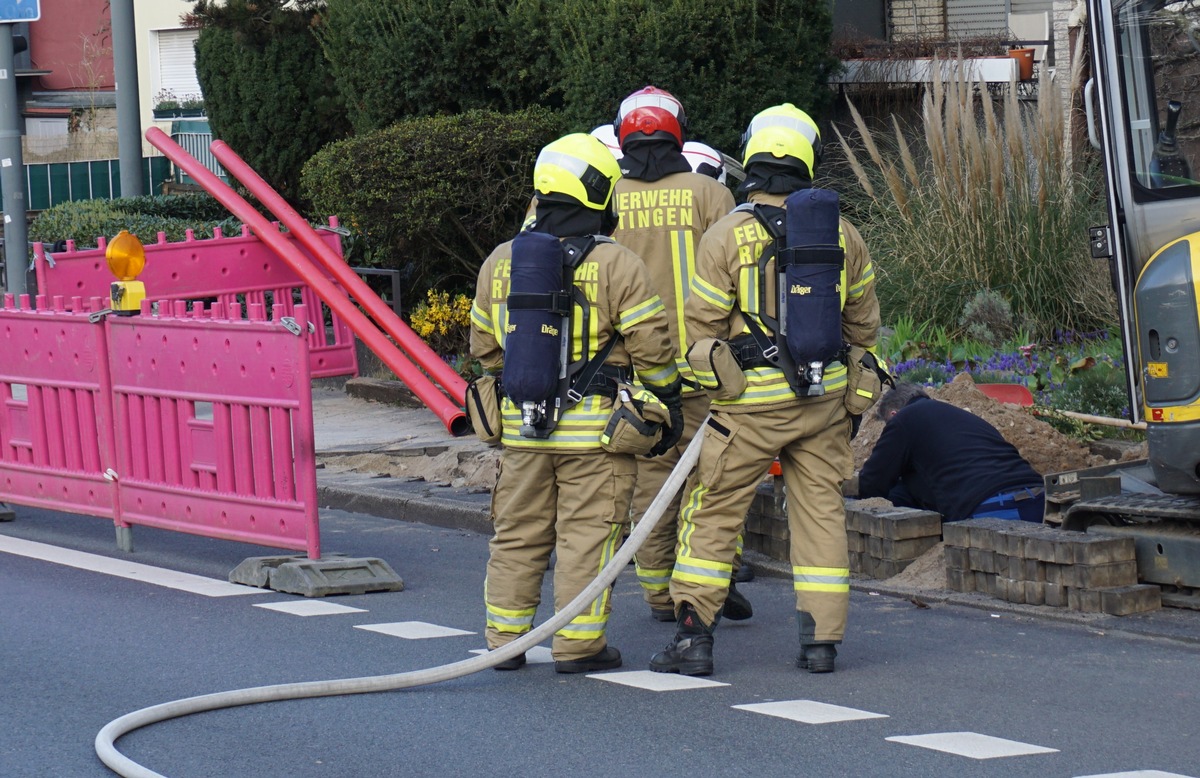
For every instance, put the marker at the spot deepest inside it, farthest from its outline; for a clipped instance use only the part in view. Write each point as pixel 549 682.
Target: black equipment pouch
pixel 483 408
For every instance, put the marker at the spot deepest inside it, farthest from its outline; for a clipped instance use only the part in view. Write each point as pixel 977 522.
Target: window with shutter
pixel 177 63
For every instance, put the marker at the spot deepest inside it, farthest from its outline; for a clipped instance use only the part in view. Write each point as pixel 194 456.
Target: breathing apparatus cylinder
pixel 534 362
pixel 810 294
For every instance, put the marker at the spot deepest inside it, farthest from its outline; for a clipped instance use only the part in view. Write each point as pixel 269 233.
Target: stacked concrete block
pixel 766 529
pixel 884 541
pixel 1036 564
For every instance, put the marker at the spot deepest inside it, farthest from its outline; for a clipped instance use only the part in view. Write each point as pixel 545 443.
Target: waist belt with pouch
pixel 635 423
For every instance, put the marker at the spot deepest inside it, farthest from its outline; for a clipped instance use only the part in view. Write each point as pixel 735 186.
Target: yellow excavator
pixel 1143 113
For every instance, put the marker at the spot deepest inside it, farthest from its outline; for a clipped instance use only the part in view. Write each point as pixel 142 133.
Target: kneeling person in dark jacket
pixel 935 456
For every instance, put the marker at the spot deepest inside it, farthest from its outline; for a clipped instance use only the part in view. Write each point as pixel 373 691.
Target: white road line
pixel 413 630
pixel 809 711
pixel 134 571
pixel 656 682
pixel 1139 774
pixel 308 607
pixel 971 744
pixel 538 655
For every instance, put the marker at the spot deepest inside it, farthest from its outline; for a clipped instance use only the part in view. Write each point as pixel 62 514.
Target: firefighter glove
pixel 672 431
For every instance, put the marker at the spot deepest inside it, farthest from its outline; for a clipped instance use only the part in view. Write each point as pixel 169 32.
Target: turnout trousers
pixel 656 556
pixel 812 441
pixel 572 504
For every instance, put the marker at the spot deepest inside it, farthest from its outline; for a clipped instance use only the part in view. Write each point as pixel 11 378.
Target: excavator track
pixel 1166 534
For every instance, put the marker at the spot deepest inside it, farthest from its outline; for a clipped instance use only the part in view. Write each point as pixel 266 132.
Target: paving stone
pixel 956 535
pixel 856 541
pixel 1035 592
pixel 909 523
pixel 1055 594
pixel 1100 576
pixel 1125 600
pixel 960 580
pixel 1085 600
pixel 957 558
pixel 1033 570
pixel 910 548
pixel 1099 550
pixel 982 560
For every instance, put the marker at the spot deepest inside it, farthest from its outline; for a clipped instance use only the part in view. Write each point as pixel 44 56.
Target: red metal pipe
pixel 411 343
pixel 450 414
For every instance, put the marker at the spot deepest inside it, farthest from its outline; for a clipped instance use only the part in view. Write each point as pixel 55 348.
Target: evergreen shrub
pixel 396 59
pixel 724 59
pixel 268 91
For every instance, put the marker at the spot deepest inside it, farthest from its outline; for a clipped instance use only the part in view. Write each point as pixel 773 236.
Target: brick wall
pixel 917 18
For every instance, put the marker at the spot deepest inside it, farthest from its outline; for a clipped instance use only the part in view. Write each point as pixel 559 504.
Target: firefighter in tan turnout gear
pixel 664 209
pixel 781 321
pixel 568 319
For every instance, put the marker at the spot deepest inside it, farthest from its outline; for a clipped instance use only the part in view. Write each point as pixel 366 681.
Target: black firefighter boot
pixel 692 651
pixel 816 657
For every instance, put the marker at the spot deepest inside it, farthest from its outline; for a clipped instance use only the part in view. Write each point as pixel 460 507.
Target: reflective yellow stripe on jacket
pixel 768 384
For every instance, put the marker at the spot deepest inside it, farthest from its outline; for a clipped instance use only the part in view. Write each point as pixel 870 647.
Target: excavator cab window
pixel 1158 45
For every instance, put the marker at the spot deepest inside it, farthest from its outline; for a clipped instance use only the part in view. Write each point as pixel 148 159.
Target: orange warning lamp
pixel 126 259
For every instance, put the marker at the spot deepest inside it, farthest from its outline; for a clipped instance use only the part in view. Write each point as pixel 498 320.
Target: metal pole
pixel 129 117
pixel 12 170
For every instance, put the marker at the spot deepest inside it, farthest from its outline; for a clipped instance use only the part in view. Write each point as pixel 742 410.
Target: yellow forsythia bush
pixel 443 322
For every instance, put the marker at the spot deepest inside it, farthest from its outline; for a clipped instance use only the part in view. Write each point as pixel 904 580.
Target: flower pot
pixel 1024 58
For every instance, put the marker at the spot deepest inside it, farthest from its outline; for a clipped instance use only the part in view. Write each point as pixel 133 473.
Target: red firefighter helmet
pixel 650 112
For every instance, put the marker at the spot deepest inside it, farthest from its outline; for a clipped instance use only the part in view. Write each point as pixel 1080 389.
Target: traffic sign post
pixel 20 11
pixel 12 166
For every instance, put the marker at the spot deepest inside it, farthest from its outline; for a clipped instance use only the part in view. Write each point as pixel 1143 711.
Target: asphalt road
pixel 81 648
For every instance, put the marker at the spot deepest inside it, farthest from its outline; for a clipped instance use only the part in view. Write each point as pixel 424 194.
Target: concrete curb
pixel 404 501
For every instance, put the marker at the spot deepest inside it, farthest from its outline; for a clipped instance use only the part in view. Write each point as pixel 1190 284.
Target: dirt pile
pixel 1045 448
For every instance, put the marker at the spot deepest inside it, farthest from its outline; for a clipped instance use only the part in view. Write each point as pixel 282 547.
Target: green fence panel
pixel 102 185
pixel 81 181
pixel 37 184
pixel 60 183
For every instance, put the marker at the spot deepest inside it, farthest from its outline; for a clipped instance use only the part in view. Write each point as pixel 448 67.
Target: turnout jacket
pixel 725 288
pixel 615 282
pixel 662 222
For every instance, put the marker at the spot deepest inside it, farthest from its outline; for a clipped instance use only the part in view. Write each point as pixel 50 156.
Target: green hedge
pixel 432 196
pixel 83 221
pixel 725 59
pixel 395 59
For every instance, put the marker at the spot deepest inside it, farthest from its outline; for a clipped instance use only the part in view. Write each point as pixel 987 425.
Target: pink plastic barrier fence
pixel 196 421
pixel 222 268
pixel 56 440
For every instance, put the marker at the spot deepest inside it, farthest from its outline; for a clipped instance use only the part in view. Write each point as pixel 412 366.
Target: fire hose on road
pixel 106 739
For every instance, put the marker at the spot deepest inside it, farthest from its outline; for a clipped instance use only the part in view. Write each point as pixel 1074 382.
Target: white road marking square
pixel 971 744
pixel 538 655
pixel 413 630
pixel 308 607
pixel 657 682
pixel 1139 774
pixel 809 711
